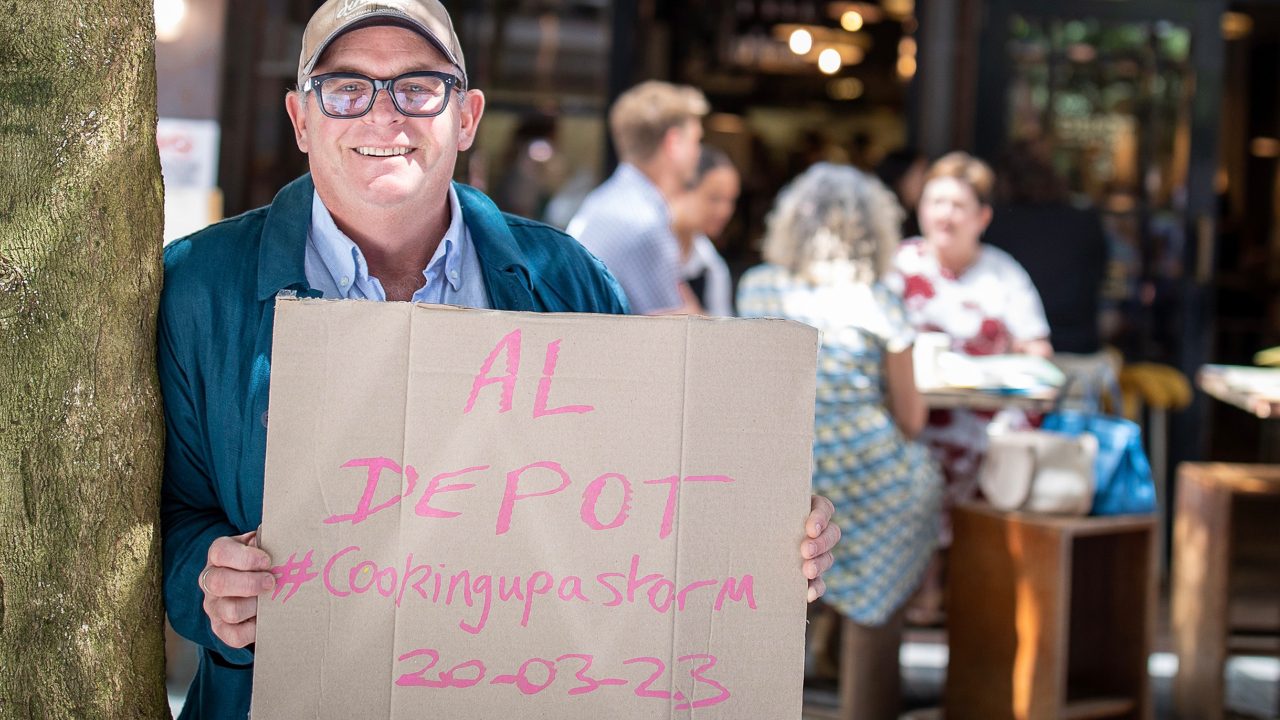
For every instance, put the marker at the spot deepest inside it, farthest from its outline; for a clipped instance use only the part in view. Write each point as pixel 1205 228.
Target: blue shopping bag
pixel 1124 483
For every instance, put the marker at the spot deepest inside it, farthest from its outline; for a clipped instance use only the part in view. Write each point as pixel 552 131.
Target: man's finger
pixel 238 635
pixel 820 512
pixel 813 569
pixel 823 543
pixel 234 611
pixel 222 582
pixel 816 588
pixel 234 553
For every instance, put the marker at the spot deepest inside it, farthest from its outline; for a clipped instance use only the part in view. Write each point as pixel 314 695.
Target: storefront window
pixel 1111 101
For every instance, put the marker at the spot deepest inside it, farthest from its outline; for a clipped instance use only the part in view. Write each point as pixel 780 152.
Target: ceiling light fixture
pixel 801 42
pixel 829 61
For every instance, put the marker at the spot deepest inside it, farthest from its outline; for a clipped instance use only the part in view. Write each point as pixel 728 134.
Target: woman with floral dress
pixel 831 235
pixel 977 295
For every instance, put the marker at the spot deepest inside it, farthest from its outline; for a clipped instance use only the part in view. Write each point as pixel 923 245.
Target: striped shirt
pixel 626 223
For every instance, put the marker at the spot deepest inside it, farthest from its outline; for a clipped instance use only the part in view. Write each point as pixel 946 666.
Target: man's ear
pixel 295 103
pixel 671 140
pixel 985 216
pixel 471 108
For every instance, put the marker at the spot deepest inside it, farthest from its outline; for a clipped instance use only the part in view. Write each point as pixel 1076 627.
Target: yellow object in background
pixel 1157 386
pixel 1269 357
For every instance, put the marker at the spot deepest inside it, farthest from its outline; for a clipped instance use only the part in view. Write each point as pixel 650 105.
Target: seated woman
pixel 832 233
pixel 978 296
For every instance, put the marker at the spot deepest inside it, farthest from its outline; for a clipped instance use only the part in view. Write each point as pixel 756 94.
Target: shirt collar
pixel 449 251
pixel 345 262
pixel 508 273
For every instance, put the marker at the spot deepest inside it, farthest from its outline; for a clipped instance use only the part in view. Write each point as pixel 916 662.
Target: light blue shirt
pixel 335 266
pixel 626 223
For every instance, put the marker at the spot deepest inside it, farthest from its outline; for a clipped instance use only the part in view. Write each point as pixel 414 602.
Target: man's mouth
pixel 383 152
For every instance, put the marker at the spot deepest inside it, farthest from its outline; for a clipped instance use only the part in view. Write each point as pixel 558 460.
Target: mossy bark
pixel 81 618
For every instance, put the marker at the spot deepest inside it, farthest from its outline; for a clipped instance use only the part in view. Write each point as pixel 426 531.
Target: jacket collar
pixel 284 240
pixel 281 256
pixel 507 276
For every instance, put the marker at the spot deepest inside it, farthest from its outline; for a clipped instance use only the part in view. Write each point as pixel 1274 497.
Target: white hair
pixel 834 218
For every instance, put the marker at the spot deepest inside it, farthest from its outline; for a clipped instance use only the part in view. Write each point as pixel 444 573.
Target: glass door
pixel 1111 89
pixel 1126 94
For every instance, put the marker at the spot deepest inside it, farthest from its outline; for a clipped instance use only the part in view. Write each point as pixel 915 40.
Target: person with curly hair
pixel 829 240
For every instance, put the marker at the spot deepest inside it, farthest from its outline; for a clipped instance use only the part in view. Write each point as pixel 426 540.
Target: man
pixel 382 109
pixel 626 222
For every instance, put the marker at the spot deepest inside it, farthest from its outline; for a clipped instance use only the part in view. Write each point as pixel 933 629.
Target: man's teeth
pixel 383 152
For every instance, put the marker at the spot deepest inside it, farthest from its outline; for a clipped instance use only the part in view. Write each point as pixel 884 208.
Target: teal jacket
pixel 214 362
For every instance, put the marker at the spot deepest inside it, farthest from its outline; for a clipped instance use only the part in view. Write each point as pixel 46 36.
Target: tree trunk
pixel 81 618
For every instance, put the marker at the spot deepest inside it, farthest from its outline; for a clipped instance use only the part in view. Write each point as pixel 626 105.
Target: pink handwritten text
pixel 540 479
pixel 536 675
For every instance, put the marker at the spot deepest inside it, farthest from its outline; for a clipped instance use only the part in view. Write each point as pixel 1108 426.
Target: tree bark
pixel 81 617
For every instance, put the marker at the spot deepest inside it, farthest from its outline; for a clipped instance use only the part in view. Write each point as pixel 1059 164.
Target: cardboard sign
pixel 480 514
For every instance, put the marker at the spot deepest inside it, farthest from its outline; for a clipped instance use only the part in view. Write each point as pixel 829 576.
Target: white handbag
pixel 1039 471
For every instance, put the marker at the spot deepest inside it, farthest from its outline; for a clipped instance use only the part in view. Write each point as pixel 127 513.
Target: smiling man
pixel 382 109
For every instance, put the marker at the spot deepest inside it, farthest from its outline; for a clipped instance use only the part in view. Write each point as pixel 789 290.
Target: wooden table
pixel 1208 540
pixel 1049 617
pixel 1251 389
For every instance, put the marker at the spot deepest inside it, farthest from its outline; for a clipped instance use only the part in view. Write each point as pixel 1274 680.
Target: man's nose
pixel 383 110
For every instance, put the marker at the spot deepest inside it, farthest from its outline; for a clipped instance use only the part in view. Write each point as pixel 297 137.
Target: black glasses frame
pixel 452 82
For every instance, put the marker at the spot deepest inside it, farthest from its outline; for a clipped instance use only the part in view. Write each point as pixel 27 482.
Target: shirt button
pixel 454 274
pixel 345 280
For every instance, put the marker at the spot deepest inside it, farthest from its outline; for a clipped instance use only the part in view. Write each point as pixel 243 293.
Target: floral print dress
pixel 984 310
pixel 885 488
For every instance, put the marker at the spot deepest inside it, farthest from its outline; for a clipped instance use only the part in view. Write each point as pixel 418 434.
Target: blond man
pixel 626 222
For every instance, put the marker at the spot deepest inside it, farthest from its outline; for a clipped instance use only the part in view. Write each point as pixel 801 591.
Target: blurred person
pixel 532 167
pixel 953 283
pixel 1062 248
pixel 700 214
pixel 377 218
pixel 903 171
pixel 626 222
pixel 829 240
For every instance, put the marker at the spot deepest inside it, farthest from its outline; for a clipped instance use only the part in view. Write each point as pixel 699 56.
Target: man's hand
pixel 820 536
pixel 238 571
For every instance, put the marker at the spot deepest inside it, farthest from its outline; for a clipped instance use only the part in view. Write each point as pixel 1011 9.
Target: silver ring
pixel 200 580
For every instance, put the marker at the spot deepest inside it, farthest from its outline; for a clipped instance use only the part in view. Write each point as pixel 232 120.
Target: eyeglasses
pixel 416 94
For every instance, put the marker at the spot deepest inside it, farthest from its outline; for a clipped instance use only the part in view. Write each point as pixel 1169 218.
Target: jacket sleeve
pixel 190 515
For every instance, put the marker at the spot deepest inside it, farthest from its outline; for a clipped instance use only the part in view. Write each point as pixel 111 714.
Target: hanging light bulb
pixel 829 61
pixel 801 41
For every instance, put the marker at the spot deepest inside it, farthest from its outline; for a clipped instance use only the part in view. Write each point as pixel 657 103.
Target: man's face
pixel 383 159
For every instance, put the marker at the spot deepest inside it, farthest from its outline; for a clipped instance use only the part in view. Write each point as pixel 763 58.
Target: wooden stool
pixel 1049 617
pixel 1209 543
pixel 870 681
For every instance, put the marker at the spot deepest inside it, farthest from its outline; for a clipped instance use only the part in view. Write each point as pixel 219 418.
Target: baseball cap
pixel 428 18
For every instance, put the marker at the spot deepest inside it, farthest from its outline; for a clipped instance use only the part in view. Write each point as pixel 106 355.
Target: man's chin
pixel 391 190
